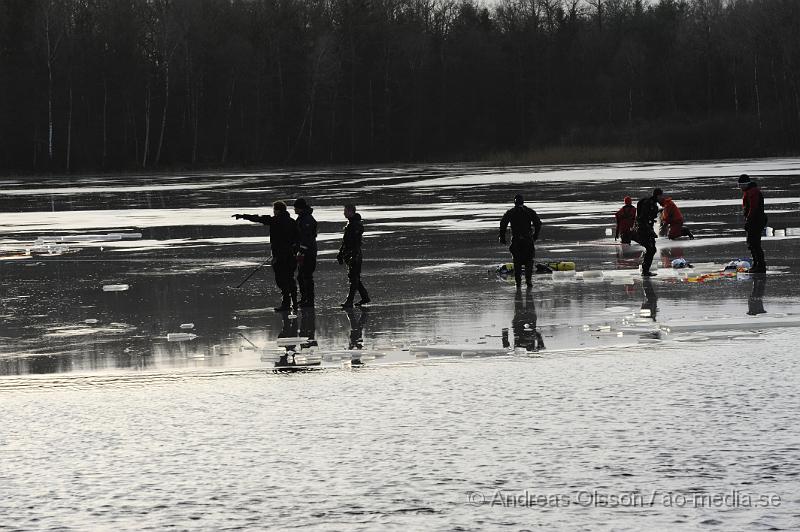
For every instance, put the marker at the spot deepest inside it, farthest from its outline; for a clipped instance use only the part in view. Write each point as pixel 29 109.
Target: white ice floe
pixel 295 340
pixel 761 321
pixel 441 267
pixel 180 337
pixel 115 287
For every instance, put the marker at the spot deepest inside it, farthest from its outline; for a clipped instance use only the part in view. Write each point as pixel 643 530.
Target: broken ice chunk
pixel 187 326
pixel 180 337
pixel 115 287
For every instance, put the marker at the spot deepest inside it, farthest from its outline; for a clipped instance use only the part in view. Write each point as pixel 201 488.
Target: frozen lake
pixel 674 387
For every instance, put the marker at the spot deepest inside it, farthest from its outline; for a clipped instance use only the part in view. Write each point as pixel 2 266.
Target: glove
pixel 339 258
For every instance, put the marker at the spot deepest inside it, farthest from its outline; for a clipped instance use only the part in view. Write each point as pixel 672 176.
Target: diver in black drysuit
pixel 306 252
pixel 350 255
pixel 283 241
pixel 643 232
pixel 523 324
pixel 525 228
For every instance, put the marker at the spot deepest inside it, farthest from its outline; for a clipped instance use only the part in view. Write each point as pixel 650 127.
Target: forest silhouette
pixel 164 84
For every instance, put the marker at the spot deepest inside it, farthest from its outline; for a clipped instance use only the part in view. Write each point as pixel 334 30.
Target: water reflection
pixel 523 325
pixel 650 302
pixel 297 350
pixel 356 331
pixel 755 303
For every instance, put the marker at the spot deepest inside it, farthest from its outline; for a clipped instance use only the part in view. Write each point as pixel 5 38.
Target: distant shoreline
pixel 554 155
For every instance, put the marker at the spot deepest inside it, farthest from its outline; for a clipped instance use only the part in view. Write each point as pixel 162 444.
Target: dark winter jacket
pixel 646 214
pixel 307 228
pixel 525 224
pixel 283 235
pixel 753 207
pixel 351 241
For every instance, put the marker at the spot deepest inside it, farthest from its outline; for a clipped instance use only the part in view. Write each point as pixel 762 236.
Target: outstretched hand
pixel 237 216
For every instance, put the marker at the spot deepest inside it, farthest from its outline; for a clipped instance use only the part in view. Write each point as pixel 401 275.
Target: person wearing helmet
pixel 350 255
pixel 672 222
pixel 306 252
pixel 626 217
pixel 525 228
pixel 643 233
pixel 755 221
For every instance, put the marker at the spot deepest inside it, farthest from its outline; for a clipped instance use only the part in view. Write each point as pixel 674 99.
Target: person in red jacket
pixel 755 221
pixel 626 217
pixel 672 220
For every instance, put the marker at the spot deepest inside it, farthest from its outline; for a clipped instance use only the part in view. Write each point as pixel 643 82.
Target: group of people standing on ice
pixel 294 248
pixel 294 242
pixel 636 224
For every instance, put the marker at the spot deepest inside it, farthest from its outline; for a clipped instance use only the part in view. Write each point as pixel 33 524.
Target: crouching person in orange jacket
pixel 672 220
pixel 626 217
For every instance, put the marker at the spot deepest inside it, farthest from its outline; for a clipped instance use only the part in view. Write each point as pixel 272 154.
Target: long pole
pixel 254 272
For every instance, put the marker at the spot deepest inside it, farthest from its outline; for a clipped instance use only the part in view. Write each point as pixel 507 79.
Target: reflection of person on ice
pixel 672 220
pixel 523 325
pixel 643 233
pixel 525 228
pixel 626 217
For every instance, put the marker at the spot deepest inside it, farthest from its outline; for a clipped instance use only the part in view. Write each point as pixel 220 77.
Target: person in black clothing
pixel 755 221
pixel 283 241
pixel 350 254
pixel 307 251
pixel 525 228
pixel 643 232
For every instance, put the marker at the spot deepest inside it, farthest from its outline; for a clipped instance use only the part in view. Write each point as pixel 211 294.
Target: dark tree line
pixel 98 84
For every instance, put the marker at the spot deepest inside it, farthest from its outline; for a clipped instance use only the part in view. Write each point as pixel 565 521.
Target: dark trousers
pixel 305 276
pixel 284 277
pixel 754 245
pixel 354 276
pixel 646 239
pixel 523 253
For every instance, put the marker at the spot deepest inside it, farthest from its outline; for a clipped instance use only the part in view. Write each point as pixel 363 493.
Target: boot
pixel 284 307
pixel 364 295
pixel 348 303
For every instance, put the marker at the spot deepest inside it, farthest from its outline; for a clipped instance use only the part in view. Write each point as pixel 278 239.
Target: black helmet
pixel 518 199
pixel 300 203
pixel 744 179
